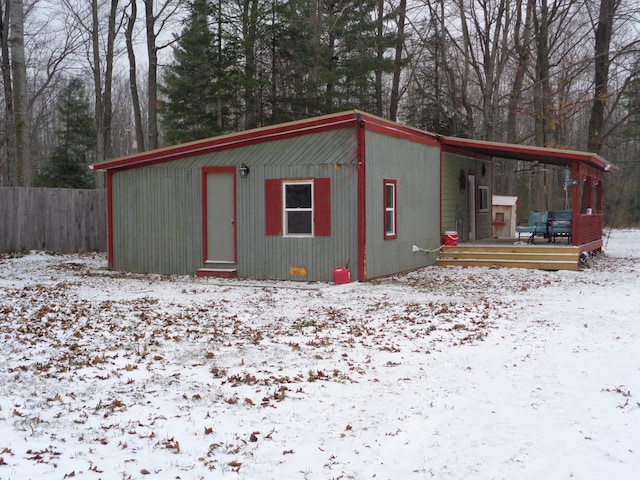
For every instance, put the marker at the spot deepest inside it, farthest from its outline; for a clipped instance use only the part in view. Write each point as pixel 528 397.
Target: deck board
pixel 512 255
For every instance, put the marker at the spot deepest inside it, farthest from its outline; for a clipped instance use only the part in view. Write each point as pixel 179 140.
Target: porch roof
pixel 554 156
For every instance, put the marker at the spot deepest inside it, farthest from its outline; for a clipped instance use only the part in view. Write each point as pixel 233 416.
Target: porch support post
pixel 588 185
pixel 575 202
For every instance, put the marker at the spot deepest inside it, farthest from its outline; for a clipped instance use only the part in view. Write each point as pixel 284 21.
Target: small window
pixel 483 199
pixel 390 210
pixel 298 208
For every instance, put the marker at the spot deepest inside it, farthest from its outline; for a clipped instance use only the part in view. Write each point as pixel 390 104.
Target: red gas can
pixel 341 275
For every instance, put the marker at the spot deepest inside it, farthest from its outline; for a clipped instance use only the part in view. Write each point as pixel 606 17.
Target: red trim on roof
pixel 380 125
pixel 267 134
pixel 232 140
pixel 476 148
pixel 529 153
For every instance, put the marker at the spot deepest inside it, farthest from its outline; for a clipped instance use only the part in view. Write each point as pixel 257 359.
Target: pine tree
pixel 324 57
pixel 198 84
pixel 68 166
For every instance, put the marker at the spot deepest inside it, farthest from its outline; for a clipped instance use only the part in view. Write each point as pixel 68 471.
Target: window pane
pixel 483 198
pixel 389 226
pixel 389 196
pixel 298 195
pixel 299 222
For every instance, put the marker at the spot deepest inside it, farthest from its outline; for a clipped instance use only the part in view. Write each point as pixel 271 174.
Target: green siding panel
pixel 416 168
pixel 157 210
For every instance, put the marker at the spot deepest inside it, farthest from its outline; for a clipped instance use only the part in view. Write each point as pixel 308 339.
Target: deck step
pixel 536 257
pixel 217 272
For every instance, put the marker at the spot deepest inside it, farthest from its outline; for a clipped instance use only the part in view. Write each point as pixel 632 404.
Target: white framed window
pixel 483 199
pixel 297 200
pixel 390 209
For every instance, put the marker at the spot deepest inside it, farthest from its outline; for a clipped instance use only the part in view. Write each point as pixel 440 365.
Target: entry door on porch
pixel 472 207
pixel 219 215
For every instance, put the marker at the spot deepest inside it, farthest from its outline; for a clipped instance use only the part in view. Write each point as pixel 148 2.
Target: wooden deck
pixel 513 254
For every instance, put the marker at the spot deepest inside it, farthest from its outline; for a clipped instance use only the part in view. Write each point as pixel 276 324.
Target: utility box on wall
pixel 505 216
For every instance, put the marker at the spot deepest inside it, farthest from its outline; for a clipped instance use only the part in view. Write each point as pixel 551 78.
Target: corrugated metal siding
pixel 157 209
pixel 456 203
pixel 416 167
pixel 156 220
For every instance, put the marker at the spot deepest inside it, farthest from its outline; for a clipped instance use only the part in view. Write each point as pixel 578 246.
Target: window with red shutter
pixel 298 207
pixel 322 207
pixel 273 206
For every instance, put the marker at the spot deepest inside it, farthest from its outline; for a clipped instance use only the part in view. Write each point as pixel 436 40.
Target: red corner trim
pixel 109 183
pixel 362 210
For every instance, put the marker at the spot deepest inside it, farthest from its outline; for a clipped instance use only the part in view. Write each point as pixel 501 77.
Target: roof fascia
pixel 387 127
pixel 508 149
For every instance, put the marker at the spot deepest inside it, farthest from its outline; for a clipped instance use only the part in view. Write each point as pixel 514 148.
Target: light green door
pixel 220 216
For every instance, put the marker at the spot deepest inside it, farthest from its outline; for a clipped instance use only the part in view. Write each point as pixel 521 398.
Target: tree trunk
pixel 97 79
pixel 379 57
pixel 468 61
pixel 601 73
pixel 108 82
pixel 10 169
pixel 23 173
pixel 522 39
pixel 152 55
pixel 249 27
pixel 397 62
pixel 133 79
pixel 542 91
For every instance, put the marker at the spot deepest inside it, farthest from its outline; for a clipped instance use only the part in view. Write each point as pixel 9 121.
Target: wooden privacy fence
pixel 54 219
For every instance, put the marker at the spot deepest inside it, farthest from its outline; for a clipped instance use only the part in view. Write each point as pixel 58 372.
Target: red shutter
pixel 321 207
pixel 273 206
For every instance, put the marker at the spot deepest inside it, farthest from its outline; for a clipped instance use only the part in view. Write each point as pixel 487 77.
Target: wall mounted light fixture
pixel 244 171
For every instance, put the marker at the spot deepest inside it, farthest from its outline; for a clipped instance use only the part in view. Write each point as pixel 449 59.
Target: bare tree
pixel 249 33
pixel 132 15
pixel 8 164
pixel 522 50
pixel 100 49
pixel 485 45
pixel 156 21
pixel 380 52
pixel 603 34
pixel 397 60
pixel 21 171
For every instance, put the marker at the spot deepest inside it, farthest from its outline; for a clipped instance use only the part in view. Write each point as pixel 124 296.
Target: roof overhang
pixel 231 140
pixel 553 156
pixel 280 131
pixel 354 118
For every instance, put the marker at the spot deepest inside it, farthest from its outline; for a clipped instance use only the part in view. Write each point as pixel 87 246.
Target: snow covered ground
pixel 446 373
